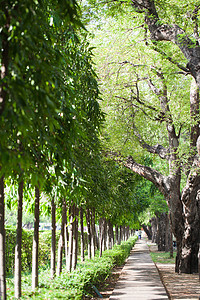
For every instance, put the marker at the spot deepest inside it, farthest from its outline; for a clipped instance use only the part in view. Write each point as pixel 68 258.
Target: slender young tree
pixel 70 252
pixel 88 219
pixel 18 250
pixel 75 238
pixel 82 236
pixel 53 237
pixel 2 243
pixel 61 239
pixel 35 254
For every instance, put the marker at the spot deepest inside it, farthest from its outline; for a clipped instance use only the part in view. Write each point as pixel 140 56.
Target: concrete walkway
pixel 139 278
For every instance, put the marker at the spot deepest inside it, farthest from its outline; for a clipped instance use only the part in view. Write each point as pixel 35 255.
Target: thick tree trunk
pixel 18 248
pixel 82 236
pixel 2 243
pixel 61 239
pixel 147 231
pixel 191 200
pixel 53 238
pixel 36 240
pixel 161 234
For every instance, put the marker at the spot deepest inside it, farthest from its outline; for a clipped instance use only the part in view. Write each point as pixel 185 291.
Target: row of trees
pixel 50 121
pixel 49 110
pixel 148 61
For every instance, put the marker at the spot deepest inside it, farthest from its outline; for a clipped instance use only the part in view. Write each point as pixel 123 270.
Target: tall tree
pixel 18 265
pixel 2 243
pixel 35 254
pixel 144 92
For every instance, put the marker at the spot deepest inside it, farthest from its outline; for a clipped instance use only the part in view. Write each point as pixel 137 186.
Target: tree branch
pixel 172 33
pixel 160 181
pixel 157 149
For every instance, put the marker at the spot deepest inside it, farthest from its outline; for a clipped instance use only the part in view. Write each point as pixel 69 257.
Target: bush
pixel 88 275
pixel 27 242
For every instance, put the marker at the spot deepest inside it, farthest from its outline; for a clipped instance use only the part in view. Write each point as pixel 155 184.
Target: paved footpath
pixel 139 279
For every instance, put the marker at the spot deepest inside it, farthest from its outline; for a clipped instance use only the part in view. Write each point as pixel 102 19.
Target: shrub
pixel 27 241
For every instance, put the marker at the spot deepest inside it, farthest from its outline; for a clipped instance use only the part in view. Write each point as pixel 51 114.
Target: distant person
pixel 139 234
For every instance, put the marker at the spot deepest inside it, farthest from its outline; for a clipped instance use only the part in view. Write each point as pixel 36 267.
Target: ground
pixel 178 286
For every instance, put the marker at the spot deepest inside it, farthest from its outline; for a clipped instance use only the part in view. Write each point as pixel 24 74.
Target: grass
pixel 162 257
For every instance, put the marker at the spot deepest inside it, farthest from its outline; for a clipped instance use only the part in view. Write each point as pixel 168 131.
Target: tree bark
pixel 101 234
pixel 154 230
pixel 61 239
pixel 147 231
pixel 120 234
pixel 53 238
pixel 89 232
pixel 117 234
pixel 93 233
pixel 18 248
pixel 191 201
pixel 36 240
pixel 82 236
pixel 75 238
pixel 70 253
pixel 66 239
pixel 2 243
pixel 161 233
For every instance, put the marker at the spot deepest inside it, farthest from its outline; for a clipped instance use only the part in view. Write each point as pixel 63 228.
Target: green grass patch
pixel 78 283
pixel 162 257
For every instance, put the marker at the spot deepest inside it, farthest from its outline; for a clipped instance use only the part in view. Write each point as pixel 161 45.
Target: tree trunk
pixel 82 236
pixel 61 239
pixel 18 248
pixel 70 253
pixel 161 234
pixel 89 232
pixel 147 231
pixel 154 229
pixel 111 236
pixel 101 234
pixel 120 234
pixel 191 200
pixel 93 232
pixel 2 243
pixel 36 240
pixel 53 238
pixel 75 238
pixel 66 239
pixel 117 234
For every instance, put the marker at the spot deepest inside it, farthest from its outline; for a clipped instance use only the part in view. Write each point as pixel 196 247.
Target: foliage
pixel 27 242
pixel 79 282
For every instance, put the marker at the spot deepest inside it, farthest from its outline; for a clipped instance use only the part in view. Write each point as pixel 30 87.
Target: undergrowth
pixel 81 282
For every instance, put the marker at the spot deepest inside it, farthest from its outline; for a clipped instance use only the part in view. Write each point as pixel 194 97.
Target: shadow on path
pixel 139 278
